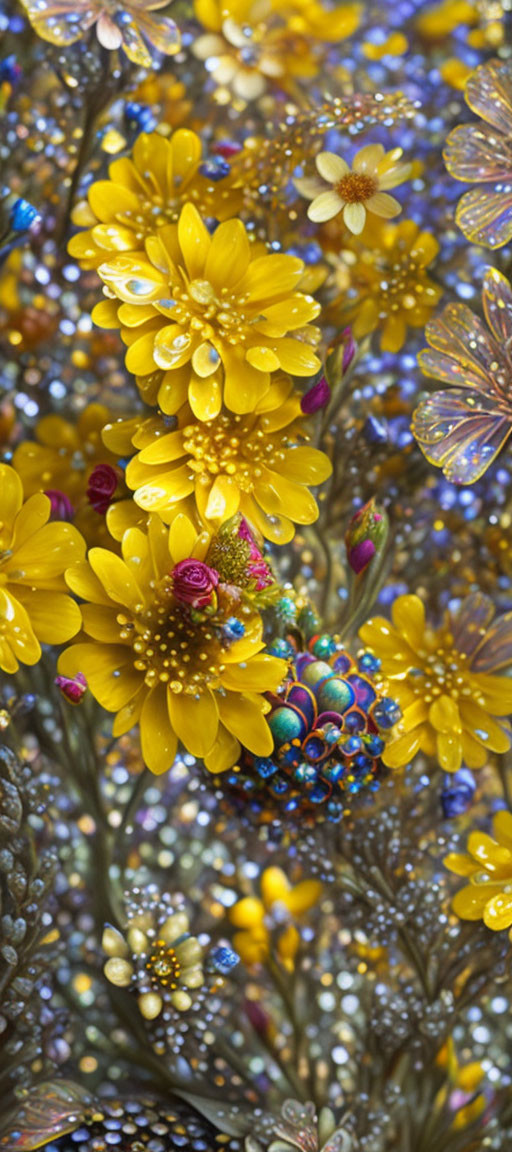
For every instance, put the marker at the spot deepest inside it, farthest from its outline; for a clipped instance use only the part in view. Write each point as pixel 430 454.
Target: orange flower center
pixel 235 446
pixel 356 187
pixel 164 966
pixel 172 649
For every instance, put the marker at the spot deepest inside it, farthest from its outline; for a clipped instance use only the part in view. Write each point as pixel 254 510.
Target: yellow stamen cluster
pixel 356 187
pixel 164 966
pixel 229 445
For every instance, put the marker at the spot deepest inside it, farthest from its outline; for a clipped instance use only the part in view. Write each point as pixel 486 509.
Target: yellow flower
pixel 356 191
pixel 444 683
pixel 389 287
pixel 144 192
pixel 215 319
pixel 157 957
pixel 250 45
pixel 61 460
pixel 250 464
pixel 34 606
pixel 488 867
pixel 166 659
pixel 279 906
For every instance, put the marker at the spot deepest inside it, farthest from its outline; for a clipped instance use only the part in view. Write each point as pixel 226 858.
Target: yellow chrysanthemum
pixel 488 867
pixel 145 192
pixel 253 915
pixel 250 464
pixel 384 282
pixel 162 652
pixel 215 319
pixel 250 44
pixel 34 606
pixel 357 190
pixel 61 460
pixel 444 683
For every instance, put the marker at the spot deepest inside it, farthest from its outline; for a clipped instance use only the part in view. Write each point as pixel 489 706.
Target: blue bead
pixel 324 647
pixel 281 648
pixel 386 712
pixel 374 745
pixel 305 774
pixel 351 745
pixel 215 169
pixel 139 116
pixel 333 772
pixel 22 215
pixel 375 431
pixel 279 786
pixel 264 767
pixel 233 628
pixel 222 959
pixel 10 70
pixel 369 663
pixel 458 793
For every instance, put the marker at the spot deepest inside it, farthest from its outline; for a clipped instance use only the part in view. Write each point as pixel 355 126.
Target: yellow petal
pixel 224 753
pixel 469 903
pixel 163 449
pixel 502 828
pixel 449 751
pixel 205 396
pixel 116 578
pixel 304 896
pixel 460 864
pixel 244 718
pixel 182 538
pixel 498 912
pixel 304 465
pixel 444 715
pixel 408 616
pixel 275 886
pixel 223 500
pixel 108 670
pixel 402 750
pixel 17 633
pixel 54 617
pixel 158 740
pixel 229 255
pixel 195 720
pixel 325 206
pixel 194 240
pixel 260 674
pixel 11 496
pixel 31 517
pixel 247 913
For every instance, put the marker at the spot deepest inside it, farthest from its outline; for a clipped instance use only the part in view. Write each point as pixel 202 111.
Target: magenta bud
pixel 360 556
pixel 101 487
pixel 61 506
pixel 72 687
pixel 349 348
pixel 317 397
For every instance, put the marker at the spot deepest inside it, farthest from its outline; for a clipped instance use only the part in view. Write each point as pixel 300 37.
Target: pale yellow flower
pixel 357 190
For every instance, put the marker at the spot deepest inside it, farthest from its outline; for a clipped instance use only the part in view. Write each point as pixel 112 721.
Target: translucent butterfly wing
pixel 461 432
pixel 475 154
pixel 61 21
pixel 464 350
pixel 489 95
pixel 484 215
pixel 51 1110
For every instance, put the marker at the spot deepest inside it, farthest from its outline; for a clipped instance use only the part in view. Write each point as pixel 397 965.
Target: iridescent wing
pixel 461 432
pixel 472 619
pixel 484 215
pixel 298 1128
pixel 497 302
pixel 475 154
pixel 51 1110
pixel 61 21
pixel 462 351
pixel 489 95
pixel 495 652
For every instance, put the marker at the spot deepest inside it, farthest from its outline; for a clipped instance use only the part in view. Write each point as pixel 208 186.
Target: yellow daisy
pixel 488 868
pixel 445 681
pixel 251 464
pixel 146 191
pixel 34 606
pixel 172 648
pixel 214 318
pixel 62 460
pixel 357 190
pixel 254 915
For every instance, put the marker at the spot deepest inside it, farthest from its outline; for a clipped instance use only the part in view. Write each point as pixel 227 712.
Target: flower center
pixel 163 965
pixel 445 672
pixel 356 187
pixel 172 649
pixel 233 445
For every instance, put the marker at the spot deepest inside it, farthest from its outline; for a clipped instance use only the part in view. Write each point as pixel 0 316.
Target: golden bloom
pixel 161 650
pixel 61 460
pixel 488 868
pixel 357 190
pixel 251 464
pixel 146 191
pixel 278 907
pixel 215 319
pixel 443 679
pixel 157 957
pixel 126 24
pixel 389 286
pixel 249 44
pixel 34 606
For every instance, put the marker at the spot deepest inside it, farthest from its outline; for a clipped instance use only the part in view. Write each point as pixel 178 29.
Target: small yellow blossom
pixel 159 651
pixel 157 957
pixel 279 906
pixel 443 679
pixel 488 868
pixel 146 191
pixel 34 606
pixel 357 190
pixel 216 320
pixel 254 464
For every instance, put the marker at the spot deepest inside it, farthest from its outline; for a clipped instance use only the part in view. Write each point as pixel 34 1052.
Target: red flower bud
pixel 101 487
pixel 194 583
pixel 72 687
pixel 365 536
pixel 317 397
pixel 61 506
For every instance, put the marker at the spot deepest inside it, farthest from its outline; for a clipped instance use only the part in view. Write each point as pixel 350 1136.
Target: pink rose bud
pixel 317 397
pixel 72 687
pixel 101 487
pixel 61 506
pixel 349 348
pixel 365 536
pixel 194 583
